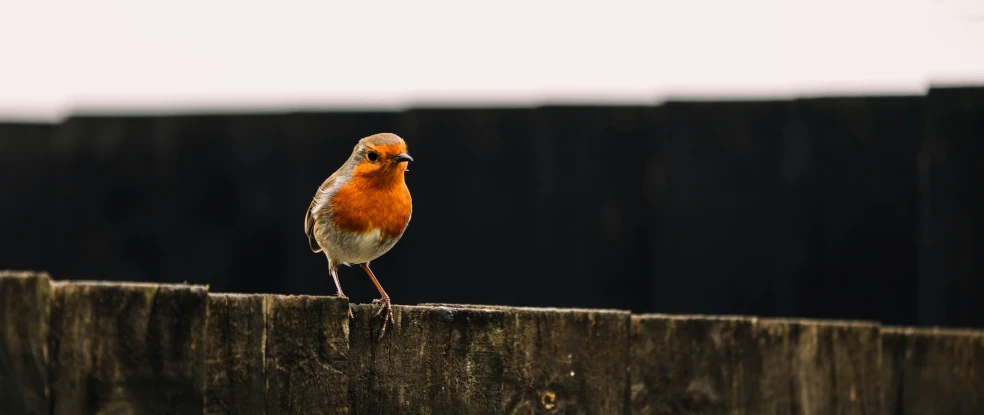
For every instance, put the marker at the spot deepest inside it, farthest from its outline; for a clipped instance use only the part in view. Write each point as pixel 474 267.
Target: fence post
pixel 485 359
pixel 933 370
pixel 127 348
pixel 24 357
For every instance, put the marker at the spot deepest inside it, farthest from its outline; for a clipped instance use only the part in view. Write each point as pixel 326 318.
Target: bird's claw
pixel 384 304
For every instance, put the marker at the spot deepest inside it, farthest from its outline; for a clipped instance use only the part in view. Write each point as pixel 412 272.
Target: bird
pixel 362 210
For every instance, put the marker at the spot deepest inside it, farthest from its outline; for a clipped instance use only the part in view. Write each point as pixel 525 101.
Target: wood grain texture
pixel 690 364
pixel 432 360
pixel 273 354
pixel 234 380
pixel 746 365
pixel 835 365
pixel 127 348
pixel 490 360
pixel 306 354
pixel 933 370
pixel 24 315
pixel 120 348
pixel 566 361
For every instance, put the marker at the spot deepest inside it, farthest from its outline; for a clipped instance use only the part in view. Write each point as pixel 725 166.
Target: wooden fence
pixel 794 200
pixel 126 348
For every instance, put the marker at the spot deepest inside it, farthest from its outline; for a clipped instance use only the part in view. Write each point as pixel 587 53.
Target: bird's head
pixel 381 158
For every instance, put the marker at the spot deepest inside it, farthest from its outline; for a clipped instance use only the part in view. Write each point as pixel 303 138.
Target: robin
pixel 362 210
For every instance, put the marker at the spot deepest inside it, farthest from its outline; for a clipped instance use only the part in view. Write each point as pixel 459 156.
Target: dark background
pixel 862 208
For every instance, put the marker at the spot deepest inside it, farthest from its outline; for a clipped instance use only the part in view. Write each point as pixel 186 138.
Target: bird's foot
pixel 384 304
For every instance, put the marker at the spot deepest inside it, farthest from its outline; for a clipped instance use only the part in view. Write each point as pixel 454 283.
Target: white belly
pixel 358 248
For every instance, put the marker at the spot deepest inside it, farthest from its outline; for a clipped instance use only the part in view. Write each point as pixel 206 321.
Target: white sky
pixel 63 56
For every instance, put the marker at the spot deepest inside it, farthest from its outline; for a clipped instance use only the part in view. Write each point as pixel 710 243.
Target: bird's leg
pixel 384 301
pixel 334 274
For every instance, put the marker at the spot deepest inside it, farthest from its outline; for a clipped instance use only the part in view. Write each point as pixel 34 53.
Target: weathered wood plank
pixel 690 364
pixel 306 353
pixel 769 383
pixel 484 359
pixel 432 360
pixel 744 365
pixel 834 365
pixel 933 371
pixel 572 358
pixel 234 379
pixel 24 316
pixel 127 348
pixel 893 357
pixel 709 364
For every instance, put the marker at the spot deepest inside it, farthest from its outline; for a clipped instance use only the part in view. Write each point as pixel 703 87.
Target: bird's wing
pixel 308 216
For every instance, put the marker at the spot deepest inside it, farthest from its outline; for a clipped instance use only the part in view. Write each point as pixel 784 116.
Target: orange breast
pixel 363 205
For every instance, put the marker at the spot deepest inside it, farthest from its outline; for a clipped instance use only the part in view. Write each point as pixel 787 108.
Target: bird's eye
pixel 371 156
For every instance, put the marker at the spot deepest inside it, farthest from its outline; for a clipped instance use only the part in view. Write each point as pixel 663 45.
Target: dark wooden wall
pixel 868 208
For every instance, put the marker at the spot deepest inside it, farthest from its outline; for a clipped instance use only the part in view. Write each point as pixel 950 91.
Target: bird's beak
pixel 402 157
